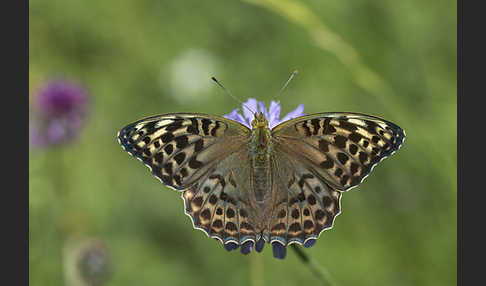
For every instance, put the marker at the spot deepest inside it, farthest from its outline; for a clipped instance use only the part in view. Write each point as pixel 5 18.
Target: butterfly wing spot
pixel 340 141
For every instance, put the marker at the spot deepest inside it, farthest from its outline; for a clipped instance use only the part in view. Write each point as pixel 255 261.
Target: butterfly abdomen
pixel 260 145
pixel 261 183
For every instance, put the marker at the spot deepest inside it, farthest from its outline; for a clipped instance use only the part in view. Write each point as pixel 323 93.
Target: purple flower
pixel 272 114
pixel 87 261
pixel 93 264
pixel 58 115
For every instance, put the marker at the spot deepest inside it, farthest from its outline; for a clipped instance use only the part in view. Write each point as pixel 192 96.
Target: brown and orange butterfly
pixel 247 186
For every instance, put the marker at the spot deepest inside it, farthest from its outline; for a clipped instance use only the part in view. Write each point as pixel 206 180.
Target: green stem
pixel 56 168
pixel 320 272
pixel 256 270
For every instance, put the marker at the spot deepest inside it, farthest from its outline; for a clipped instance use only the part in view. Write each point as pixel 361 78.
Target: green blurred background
pixel 393 59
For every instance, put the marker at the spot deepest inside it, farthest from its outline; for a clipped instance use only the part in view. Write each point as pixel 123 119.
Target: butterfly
pixel 247 186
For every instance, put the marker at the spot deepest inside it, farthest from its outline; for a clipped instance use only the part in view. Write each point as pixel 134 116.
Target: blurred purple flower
pixel 58 115
pixel 94 263
pixel 272 114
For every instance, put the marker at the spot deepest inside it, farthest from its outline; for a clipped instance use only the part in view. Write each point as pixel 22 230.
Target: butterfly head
pixel 259 121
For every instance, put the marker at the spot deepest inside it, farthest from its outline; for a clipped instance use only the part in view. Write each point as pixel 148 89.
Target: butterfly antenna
pixel 230 94
pixel 286 83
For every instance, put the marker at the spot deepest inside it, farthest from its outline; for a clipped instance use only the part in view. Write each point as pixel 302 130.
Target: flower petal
pixel 262 108
pixel 61 98
pixel 56 132
pixel 59 111
pixel 251 104
pixel 273 114
pixel 234 115
pixel 274 110
pixel 299 111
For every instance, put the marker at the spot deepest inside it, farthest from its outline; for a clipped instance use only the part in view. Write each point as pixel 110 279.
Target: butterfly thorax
pixel 261 147
pixel 260 143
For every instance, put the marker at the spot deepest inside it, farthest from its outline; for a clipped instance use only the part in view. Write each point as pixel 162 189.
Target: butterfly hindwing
pixel 219 203
pixel 341 147
pixel 306 205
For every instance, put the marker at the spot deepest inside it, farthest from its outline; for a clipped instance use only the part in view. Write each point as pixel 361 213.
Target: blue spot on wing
pixel 279 251
pixel 259 245
pixel 309 243
pixel 247 247
pixel 231 246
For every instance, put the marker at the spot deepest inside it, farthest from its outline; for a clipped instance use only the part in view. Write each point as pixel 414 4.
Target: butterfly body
pixel 243 185
pixel 261 149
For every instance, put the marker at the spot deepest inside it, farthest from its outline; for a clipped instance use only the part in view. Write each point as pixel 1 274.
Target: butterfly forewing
pixel 342 148
pixel 180 148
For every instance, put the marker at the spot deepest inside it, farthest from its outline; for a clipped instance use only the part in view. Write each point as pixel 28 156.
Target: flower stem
pixel 57 168
pixel 256 270
pixel 320 272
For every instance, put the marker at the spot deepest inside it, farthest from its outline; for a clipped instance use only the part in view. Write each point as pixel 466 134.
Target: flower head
pixel 87 261
pixel 93 264
pixel 272 114
pixel 59 110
